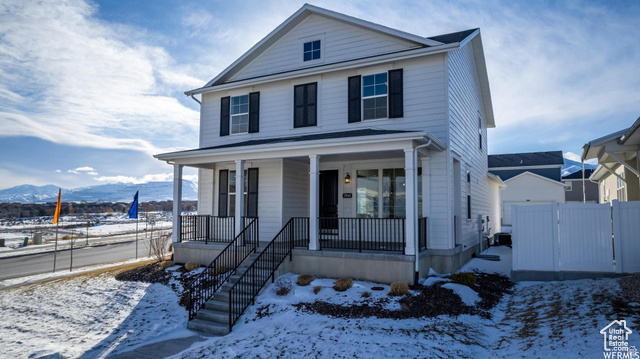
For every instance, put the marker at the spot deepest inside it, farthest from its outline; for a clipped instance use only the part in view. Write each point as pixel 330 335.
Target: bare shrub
pixel 342 284
pixel 283 287
pixel 159 247
pixel 317 289
pixel 221 270
pixel 167 264
pixel 465 278
pixel 305 279
pixel 189 266
pixel 365 294
pixel 399 288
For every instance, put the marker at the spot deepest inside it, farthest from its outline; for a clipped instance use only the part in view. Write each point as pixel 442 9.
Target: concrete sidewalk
pixel 161 349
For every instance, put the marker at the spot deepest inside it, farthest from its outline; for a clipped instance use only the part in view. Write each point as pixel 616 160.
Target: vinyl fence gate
pixel 577 237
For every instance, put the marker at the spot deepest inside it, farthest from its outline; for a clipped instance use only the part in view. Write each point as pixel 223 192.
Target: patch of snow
pixel 469 296
pixel 503 266
pixel 431 280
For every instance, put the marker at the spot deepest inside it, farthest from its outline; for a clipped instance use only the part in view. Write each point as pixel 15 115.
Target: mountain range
pixel 117 192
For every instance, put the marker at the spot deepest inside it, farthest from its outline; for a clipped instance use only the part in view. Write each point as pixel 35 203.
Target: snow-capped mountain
pixel 117 192
pixel 573 166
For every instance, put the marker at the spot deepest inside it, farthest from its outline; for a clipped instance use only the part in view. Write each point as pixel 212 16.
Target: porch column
pixel 177 202
pixel 426 193
pixel 239 195
pixel 314 192
pixel 410 203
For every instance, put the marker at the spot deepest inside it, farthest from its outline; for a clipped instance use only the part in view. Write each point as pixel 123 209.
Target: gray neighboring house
pixel 531 178
pixel 574 193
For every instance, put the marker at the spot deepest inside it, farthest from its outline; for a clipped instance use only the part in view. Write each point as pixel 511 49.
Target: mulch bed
pixel 431 301
pixel 630 286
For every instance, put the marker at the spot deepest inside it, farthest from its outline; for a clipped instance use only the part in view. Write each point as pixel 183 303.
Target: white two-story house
pixel 374 139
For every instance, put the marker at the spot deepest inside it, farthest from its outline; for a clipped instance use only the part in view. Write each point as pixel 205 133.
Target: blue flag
pixel 133 211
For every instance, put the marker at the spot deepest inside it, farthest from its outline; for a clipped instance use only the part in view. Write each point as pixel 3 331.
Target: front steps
pixel 214 317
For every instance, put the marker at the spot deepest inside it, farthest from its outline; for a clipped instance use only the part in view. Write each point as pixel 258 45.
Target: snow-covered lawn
pixel 93 315
pixel 89 315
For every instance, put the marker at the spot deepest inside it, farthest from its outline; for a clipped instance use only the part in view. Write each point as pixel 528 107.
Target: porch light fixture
pixel 347 178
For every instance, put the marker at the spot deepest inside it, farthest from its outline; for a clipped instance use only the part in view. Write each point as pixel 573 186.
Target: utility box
pixel 37 238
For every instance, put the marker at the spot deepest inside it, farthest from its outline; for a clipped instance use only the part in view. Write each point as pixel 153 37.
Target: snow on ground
pixel 469 296
pixel 89 316
pixel 503 266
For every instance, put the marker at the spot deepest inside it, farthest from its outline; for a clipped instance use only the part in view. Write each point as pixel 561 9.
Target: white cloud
pixel 92 173
pixel 73 171
pixel 85 169
pixel 158 177
pixel 59 171
pixel 576 158
pixel 95 84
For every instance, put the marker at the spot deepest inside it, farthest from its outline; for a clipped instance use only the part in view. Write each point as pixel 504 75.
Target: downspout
pixel 196 100
pixel 584 191
pixel 416 243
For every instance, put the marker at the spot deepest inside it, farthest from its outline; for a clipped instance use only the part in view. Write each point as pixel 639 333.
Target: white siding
pixel 269 195
pixel 205 191
pixel 295 189
pixel 424 104
pixel 465 107
pixel 495 213
pixel 528 189
pixel 340 41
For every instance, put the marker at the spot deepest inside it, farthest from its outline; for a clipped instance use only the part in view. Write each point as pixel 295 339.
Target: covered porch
pixel 365 191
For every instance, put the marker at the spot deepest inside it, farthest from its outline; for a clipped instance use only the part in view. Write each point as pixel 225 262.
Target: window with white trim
pixel 311 50
pixel 381 193
pixel 374 96
pixel 232 193
pixel 240 114
pixel 568 186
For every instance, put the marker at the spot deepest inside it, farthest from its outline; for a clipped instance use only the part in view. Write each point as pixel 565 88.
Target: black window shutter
pixel 224 115
pixel 252 193
pixel 223 193
pixel 354 99
pixel 395 94
pixel 304 105
pixel 254 112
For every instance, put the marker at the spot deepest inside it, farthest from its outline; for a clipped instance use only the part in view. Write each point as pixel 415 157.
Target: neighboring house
pixel 618 157
pixel 531 178
pixel 359 130
pixel 575 192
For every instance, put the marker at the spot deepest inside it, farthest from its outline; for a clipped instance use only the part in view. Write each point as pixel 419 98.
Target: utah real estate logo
pixel 616 341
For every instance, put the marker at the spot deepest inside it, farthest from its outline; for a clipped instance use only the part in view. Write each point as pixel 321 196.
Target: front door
pixel 328 199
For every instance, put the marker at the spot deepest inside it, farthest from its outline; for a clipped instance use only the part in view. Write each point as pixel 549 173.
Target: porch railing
pixel 423 232
pixel 206 228
pixel 377 234
pixel 202 288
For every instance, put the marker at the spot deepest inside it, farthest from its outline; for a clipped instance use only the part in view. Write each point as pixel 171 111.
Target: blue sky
pixel 89 91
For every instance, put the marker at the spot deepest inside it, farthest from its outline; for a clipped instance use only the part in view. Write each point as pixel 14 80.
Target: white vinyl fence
pixel 578 237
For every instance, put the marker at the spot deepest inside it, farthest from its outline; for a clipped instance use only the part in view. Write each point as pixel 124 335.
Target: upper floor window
pixel 311 50
pixel 240 114
pixel 304 105
pixel 374 96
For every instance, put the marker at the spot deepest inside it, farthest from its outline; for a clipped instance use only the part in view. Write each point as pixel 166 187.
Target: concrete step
pixel 208 327
pixel 217 306
pixel 214 315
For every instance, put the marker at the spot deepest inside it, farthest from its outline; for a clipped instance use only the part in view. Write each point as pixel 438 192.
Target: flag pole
pixel 55 251
pixel 136 237
pixel 56 220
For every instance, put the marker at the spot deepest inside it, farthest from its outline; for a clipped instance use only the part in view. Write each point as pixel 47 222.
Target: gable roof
pixel 578 174
pixel 551 158
pixel 295 19
pixel 527 173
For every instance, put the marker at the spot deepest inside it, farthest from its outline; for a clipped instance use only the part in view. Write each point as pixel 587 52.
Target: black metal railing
pixel 245 290
pixel 202 288
pixel 378 234
pixel 423 232
pixel 206 228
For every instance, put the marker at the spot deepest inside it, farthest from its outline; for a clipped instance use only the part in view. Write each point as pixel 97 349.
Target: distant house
pixel 574 188
pixel 618 157
pixel 531 178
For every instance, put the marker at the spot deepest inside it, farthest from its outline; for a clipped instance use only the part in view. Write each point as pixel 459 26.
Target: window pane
pixel 393 193
pixel 381 89
pixel 232 205
pixel 311 113
pixel 311 94
pixel 381 78
pixel 316 54
pixel 232 182
pixel 299 95
pixel 307 56
pixel 368 91
pixel 307 46
pixel 316 45
pixel 369 103
pixel 381 112
pixel 367 193
pixel 369 114
pixel 368 80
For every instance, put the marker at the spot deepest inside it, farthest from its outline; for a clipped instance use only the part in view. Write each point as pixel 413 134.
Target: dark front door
pixel 328 199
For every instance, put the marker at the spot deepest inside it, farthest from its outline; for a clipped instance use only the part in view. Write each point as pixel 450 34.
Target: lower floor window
pixel 232 193
pixel 381 193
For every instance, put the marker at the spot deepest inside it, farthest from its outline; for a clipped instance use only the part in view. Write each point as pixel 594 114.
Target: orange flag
pixel 56 216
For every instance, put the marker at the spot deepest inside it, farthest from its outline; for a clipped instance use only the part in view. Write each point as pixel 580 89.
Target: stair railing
pixel 245 290
pixel 204 286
